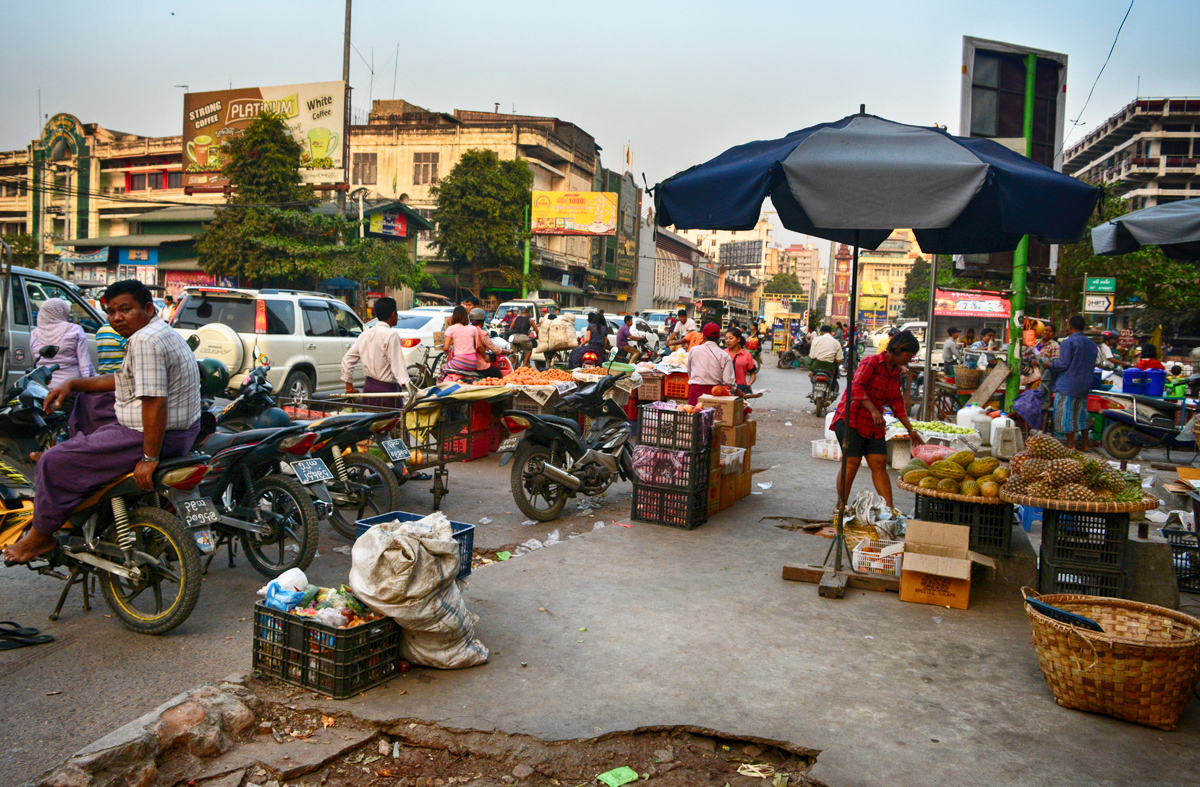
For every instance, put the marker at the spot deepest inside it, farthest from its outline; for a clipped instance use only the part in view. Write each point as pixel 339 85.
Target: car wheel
pixel 298 385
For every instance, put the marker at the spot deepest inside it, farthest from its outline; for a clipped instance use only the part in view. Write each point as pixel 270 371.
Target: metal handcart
pixel 435 428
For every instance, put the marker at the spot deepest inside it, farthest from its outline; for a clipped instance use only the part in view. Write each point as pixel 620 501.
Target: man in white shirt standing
pixel 382 356
pixel 683 326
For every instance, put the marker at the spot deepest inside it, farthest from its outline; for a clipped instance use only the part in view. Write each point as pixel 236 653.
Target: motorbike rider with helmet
pixel 485 366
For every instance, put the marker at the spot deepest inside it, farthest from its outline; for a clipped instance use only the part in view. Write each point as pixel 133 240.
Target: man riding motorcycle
pixel 825 353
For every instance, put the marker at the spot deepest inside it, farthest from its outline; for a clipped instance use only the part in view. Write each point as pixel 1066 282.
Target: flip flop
pixel 9 641
pixel 12 627
pixel 420 477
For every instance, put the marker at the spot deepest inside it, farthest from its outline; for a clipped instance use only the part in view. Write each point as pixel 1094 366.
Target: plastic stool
pixel 1028 515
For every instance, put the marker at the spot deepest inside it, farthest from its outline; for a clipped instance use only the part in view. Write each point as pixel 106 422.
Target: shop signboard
pixel 969 304
pixel 574 213
pixel 84 257
pixel 314 113
pixel 175 282
pixel 1100 284
pixel 389 222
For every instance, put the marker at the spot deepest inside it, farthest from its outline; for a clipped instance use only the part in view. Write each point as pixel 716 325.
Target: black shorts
pixel 855 444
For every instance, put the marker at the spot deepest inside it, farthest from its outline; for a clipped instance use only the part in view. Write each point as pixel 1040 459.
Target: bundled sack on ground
pixel 407 571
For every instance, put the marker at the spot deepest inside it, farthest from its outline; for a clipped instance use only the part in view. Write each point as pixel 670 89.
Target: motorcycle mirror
pixel 193 342
pixel 49 351
pixel 257 355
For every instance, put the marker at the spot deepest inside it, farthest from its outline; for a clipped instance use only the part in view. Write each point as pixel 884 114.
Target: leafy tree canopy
pixel 263 164
pixel 785 283
pixel 480 215
pixel 24 249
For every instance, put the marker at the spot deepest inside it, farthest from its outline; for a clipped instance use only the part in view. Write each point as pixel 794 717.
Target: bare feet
pixel 32 545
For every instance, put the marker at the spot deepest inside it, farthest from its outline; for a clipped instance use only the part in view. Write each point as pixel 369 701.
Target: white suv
pixel 303 335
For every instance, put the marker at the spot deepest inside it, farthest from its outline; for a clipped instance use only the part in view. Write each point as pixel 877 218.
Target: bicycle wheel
pixel 370 488
pixel 292 543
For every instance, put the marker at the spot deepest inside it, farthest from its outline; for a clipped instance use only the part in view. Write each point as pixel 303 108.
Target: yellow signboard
pixel 574 213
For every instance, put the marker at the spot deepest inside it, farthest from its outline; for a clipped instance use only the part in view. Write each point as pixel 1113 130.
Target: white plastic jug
pixel 966 416
pixel 829 433
pixel 998 423
pixel 983 424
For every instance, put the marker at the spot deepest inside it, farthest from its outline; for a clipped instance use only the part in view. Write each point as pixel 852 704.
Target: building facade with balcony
pixel 1151 148
pixel 884 271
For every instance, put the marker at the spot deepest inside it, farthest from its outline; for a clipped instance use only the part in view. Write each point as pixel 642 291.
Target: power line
pixel 1075 123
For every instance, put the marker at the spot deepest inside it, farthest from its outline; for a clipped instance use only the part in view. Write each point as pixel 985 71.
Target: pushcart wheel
pixel 440 489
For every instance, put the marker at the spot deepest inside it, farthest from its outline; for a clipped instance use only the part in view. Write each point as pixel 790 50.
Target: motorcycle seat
pixel 558 419
pixel 181 461
pixel 1161 405
pixel 334 420
pixel 219 441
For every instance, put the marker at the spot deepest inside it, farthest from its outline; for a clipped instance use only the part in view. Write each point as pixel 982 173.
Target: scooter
pixel 825 389
pixel 1147 422
pixel 144 559
pixel 555 462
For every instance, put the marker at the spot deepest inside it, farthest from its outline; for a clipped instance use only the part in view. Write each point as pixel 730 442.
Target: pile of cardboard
pixel 731 429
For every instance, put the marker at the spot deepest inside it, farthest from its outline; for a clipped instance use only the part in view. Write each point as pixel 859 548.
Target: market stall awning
pixel 339 283
pixel 127 241
pixel 553 286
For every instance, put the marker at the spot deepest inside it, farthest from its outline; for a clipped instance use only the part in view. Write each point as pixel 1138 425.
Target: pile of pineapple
pixel 1048 469
pixel 959 474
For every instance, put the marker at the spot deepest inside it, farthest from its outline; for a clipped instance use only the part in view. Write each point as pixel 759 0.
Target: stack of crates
pixel 991 523
pixel 677 498
pixel 1083 553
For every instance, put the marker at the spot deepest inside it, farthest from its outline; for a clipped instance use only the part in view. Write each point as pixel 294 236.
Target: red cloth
pixel 874 380
pixel 1151 363
pixel 696 391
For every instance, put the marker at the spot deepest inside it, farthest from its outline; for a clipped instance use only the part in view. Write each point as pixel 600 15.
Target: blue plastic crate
pixel 463 533
pixel 1028 515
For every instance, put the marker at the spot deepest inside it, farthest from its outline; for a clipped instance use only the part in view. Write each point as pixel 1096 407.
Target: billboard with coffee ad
pixel 574 213
pixel 315 113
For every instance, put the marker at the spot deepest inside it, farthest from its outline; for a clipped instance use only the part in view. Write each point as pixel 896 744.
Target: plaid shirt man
pixel 158 363
pixel 874 380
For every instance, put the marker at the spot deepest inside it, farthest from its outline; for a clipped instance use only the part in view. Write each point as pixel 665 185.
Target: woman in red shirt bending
pixel 858 421
pixel 745 371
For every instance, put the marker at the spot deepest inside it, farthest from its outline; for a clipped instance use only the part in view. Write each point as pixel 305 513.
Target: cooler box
pixel 1156 382
pixel 1135 381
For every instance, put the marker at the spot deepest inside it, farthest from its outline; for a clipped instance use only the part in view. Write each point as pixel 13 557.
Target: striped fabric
pixel 110 348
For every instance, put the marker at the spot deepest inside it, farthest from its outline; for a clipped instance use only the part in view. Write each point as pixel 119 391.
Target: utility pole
pixel 1020 256
pixel 341 195
pixel 930 339
pixel 528 234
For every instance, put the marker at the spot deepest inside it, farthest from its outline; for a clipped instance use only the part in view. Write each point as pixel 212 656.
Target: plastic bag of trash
pixel 407 571
pixel 281 599
pixel 872 517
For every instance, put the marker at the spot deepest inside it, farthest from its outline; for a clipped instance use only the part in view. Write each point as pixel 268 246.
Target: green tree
pixel 916 286
pixel 480 216
pixel 263 164
pixel 24 249
pixel 784 282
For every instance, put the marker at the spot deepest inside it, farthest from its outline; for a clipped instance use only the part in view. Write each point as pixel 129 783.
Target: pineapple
pixel 1043 446
pixel 1076 493
pixel 1018 461
pixel 1035 469
pixel 1066 471
pixel 1043 489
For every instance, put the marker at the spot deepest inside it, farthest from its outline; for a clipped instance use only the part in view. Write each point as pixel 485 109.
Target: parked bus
pixel 721 311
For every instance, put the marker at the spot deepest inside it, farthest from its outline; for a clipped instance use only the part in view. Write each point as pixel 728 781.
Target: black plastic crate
pixel 338 663
pixel 1087 580
pixel 663 428
pixel 991 523
pixel 684 470
pixel 463 533
pixel 1080 538
pixel 671 507
pixel 1185 554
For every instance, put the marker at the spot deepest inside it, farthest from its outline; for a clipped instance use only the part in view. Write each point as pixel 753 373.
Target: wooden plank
pixel 990 384
pixel 814 574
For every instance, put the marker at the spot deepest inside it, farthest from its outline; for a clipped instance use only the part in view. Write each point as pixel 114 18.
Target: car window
pixel 238 314
pixel 41 291
pixel 317 319
pixel 413 322
pixel 20 313
pixel 347 322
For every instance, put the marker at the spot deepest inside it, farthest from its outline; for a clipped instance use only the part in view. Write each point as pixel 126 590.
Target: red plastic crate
pixel 631 408
pixel 499 432
pixel 475 443
pixel 481 415
pixel 675 386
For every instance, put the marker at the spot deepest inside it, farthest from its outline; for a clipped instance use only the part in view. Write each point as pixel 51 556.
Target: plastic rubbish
pixel 528 547
pixel 597 526
pixel 292 579
pixel 330 617
pixel 766 485
pixel 282 599
pixel 485 520
pixel 345 550
pixel 552 540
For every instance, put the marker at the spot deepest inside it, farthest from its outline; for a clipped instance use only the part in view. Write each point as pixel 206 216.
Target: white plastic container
pixel 965 416
pixel 998 423
pixel 827 449
pixel 982 424
pixel 829 433
pixel 732 460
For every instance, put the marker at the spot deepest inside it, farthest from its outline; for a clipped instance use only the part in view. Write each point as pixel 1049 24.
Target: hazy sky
pixel 679 81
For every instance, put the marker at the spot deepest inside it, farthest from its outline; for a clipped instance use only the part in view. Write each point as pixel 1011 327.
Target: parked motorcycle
pixel 555 462
pixel 1135 422
pixel 143 558
pixel 825 388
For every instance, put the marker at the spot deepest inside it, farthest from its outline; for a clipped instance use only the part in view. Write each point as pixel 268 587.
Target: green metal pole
pixel 1020 256
pixel 528 234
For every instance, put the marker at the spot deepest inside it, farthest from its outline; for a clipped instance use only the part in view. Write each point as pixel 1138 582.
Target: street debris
pixel 503 555
pixel 765 485
pixel 485 520
pixel 528 523
pixel 618 776
pixel 344 550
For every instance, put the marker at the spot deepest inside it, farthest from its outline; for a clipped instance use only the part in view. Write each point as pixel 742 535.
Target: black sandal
pixel 10 641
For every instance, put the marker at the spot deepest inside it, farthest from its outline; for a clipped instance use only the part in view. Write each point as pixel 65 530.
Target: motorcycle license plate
pixel 310 471
pixel 510 444
pixel 198 513
pixel 396 450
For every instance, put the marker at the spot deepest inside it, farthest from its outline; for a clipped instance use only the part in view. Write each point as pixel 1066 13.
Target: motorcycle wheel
pixel 785 362
pixel 293 543
pixel 166 594
pixel 527 489
pixel 382 495
pixel 1116 441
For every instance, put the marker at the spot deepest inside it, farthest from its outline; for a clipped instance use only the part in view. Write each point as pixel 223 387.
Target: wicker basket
pixel 948 495
pixel 966 378
pixel 1147 503
pixel 1143 668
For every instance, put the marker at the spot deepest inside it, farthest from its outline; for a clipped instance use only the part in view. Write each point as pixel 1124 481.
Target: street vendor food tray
pixel 950 496
pixel 1147 503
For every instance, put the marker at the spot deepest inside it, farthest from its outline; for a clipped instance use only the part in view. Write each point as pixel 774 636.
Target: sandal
pixel 12 627
pixel 10 641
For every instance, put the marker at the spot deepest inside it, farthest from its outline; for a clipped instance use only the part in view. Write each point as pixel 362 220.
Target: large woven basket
pixel 966 378
pixel 1143 668
pixel 949 495
pixel 1147 503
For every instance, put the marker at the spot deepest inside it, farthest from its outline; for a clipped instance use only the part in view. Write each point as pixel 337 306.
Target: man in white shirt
pixel 683 326
pixel 826 348
pixel 1107 358
pixel 951 352
pixel 382 356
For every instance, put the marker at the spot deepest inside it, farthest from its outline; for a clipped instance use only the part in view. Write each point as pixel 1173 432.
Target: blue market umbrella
pixel 340 283
pixel 1174 227
pixel 870 175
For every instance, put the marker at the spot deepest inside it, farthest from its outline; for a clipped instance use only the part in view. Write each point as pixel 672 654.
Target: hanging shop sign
pixel 574 213
pixel 389 222
pixel 970 304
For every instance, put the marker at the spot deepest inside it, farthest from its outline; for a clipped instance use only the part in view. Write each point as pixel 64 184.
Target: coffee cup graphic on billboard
pixel 321 144
pixel 200 148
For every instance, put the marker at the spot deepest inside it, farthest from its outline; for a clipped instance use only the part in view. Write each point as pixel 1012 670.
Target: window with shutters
pixel 425 168
pixel 364 169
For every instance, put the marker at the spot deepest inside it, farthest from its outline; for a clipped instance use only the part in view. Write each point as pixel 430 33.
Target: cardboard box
pixel 734 436
pixel 714 455
pixel 751 433
pixel 937 564
pixel 746 462
pixel 743 485
pixel 728 490
pixel 714 491
pixel 730 409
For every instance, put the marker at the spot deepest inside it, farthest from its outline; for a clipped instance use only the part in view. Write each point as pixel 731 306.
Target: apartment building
pixel 882 272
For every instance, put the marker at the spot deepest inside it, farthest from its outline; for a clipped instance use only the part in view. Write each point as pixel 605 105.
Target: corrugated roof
pixel 126 241
pixel 178 213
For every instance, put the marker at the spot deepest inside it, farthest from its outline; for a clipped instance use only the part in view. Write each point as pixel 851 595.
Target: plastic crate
pixel 991 523
pixel 664 428
pixel 827 448
pixel 481 415
pixel 867 560
pixel 472 444
pixel 667 468
pixel 651 389
pixel 463 533
pixel 527 404
pixel 686 510
pixel 496 437
pixel 1078 538
pixel 732 460
pixel 339 663
pixel 1087 580
pixel 675 386
pixel 1185 554
pixel 1028 515
pixel 631 408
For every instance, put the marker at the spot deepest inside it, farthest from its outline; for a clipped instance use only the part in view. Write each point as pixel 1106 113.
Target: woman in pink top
pixel 54 327
pixel 461 343
pixel 744 369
